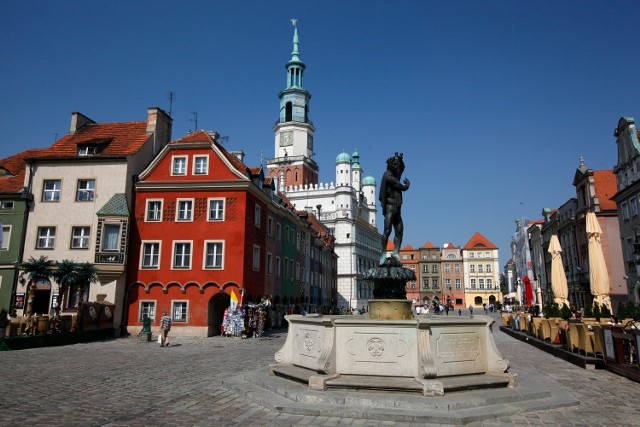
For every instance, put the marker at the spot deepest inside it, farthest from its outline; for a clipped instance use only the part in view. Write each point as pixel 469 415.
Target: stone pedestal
pixel 422 353
pixel 390 309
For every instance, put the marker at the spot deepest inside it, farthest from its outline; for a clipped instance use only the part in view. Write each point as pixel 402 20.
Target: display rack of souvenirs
pixel 233 323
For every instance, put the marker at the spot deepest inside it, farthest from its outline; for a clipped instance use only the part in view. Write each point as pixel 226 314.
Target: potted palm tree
pixel 66 274
pixel 34 270
pixel 87 274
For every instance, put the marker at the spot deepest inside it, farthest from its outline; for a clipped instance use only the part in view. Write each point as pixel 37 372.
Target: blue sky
pixel 492 102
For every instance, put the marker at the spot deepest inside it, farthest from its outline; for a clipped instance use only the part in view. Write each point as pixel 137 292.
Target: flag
pixel 234 300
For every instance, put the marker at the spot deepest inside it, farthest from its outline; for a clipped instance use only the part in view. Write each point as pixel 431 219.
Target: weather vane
pixel 293 22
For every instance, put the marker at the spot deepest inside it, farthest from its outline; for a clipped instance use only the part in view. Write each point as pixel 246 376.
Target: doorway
pixel 217 305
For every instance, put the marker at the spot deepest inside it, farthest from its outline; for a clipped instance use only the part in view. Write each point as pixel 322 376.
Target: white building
pixel 347 206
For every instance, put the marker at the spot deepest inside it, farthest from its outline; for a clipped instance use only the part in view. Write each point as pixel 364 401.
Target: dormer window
pixel 87 150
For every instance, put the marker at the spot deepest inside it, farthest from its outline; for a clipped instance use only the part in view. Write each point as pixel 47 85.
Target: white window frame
pixel 143 254
pixel 148 211
pixel 473 283
pixel 456 268
pixel 256 258
pixel 633 202
pixel 179 171
pixel 174 253
pixel 88 189
pixel 179 202
pixel 472 268
pixel 49 237
pixel 184 311
pixel 269 225
pixel 480 283
pixel 257 215
pixel 488 268
pixel 6 236
pixel 82 237
pixel 458 284
pixel 209 202
pixel 54 192
pixel 489 283
pixel 152 305
pixel 205 254
pixel 196 170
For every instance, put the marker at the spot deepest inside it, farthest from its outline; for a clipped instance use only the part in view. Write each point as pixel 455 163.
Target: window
pixel 425 283
pixel 625 211
pixel 633 202
pixel 182 255
pixel 256 258
pixel 200 165
pixel 488 269
pixel 74 292
pixel 216 210
pixel 472 254
pixel 278 266
pixel 179 165
pixel 147 309
pixel 479 254
pixel 185 210
pixel 472 268
pixel 447 283
pixel 458 284
pixel 46 238
pixel 6 236
pixel 86 190
pixel 51 190
pixel 179 311
pixel 269 263
pixel 256 218
pixel 434 268
pixel 487 254
pixel 489 283
pixel 6 205
pixel 456 268
pixel 80 237
pixel 154 210
pixel 86 150
pixel 150 255
pixel 435 283
pixel 447 268
pixel 270 226
pixel 473 283
pixel 480 269
pixel 279 231
pixel 481 283
pixel 425 268
pixel 213 254
pixel 110 237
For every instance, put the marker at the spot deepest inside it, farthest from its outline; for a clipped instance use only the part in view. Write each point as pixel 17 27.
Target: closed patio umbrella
pixel 558 278
pixel 598 275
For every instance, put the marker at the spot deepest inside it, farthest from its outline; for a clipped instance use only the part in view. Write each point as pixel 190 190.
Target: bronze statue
pixel 391 189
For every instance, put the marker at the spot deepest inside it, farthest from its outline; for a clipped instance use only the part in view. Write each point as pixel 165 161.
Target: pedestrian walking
pixel 471 309
pixel 165 327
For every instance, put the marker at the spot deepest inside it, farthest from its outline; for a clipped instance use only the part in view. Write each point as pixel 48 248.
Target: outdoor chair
pixel 505 319
pixel 585 339
pixel 536 324
pixel 572 337
pixel 545 330
pixel 598 340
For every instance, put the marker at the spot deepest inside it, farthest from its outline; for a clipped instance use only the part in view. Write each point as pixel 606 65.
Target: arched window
pixel 477 301
pixel 288 112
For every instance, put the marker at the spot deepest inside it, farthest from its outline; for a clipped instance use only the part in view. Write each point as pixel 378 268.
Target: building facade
pixel 81 190
pixel 481 268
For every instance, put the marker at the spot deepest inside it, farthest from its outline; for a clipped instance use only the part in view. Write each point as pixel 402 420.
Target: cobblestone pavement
pixel 124 382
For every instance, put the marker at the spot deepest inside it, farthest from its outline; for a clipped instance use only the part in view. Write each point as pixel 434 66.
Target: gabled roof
pixel 204 137
pixel 389 245
pixel 111 139
pixel 13 179
pixel 428 245
pixel 408 248
pixel 606 187
pixel 478 241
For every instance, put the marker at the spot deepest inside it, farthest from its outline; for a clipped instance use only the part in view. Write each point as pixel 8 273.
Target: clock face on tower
pixel 286 138
pixel 299 101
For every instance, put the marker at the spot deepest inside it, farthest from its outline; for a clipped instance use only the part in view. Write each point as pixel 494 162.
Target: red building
pixel 205 224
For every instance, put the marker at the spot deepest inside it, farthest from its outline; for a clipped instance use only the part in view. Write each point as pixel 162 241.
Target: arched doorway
pixel 492 299
pixel 477 301
pixel 217 305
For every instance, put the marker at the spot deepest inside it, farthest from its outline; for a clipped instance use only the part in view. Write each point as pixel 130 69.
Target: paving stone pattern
pixel 124 382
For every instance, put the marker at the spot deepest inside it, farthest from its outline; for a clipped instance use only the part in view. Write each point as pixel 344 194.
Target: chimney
pixel 159 124
pixel 239 155
pixel 78 120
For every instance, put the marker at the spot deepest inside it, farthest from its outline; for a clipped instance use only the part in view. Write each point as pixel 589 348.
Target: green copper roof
pixel 116 206
pixel 356 160
pixel 368 180
pixel 343 157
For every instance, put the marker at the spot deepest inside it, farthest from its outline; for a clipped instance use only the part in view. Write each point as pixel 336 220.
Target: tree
pixel 87 274
pixel 66 274
pixel 34 270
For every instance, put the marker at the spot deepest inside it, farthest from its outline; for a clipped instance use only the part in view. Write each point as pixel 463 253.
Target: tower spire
pixel 295 54
pixel 295 66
